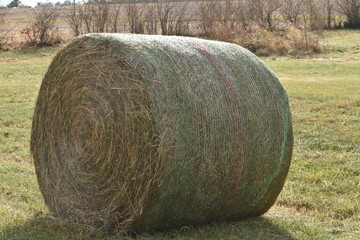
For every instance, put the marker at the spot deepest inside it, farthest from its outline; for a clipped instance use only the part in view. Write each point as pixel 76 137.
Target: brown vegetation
pixel 287 40
pixel 134 13
pixel 3 29
pixel 351 9
pixel 46 24
pixel 227 20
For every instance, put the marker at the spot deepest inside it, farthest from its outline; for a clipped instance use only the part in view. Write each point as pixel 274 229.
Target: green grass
pixel 343 41
pixel 320 199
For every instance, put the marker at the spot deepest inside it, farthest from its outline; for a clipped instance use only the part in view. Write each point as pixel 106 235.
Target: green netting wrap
pixel 152 132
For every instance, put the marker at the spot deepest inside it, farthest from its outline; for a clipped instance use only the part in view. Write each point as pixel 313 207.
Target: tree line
pixel 198 18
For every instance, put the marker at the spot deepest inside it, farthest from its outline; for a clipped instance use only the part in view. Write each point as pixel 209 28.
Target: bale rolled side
pixel 152 132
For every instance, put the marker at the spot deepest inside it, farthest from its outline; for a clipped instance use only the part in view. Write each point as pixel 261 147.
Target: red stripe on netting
pixel 234 105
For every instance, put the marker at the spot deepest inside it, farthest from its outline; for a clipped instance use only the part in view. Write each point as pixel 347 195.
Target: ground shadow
pixel 47 227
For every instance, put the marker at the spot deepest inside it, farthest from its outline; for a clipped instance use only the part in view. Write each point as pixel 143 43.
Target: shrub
pixel 44 31
pixel 286 40
pixel 3 29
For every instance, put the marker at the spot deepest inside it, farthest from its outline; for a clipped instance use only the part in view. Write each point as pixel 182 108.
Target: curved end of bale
pixel 85 119
pixel 150 132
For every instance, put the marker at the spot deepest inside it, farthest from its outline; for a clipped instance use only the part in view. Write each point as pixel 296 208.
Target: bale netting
pixel 136 132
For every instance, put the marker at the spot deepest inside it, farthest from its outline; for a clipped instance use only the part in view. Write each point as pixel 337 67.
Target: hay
pixel 152 132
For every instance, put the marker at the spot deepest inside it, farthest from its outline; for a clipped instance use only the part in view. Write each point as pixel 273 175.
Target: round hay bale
pixel 152 132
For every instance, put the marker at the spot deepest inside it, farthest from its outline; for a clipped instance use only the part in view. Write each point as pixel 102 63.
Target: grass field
pixel 320 199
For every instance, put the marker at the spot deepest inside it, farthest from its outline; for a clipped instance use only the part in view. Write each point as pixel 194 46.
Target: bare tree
pixel 85 14
pixel 94 16
pixel 115 16
pixel 222 20
pixel 100 14
pixel 151 21
pixel 351 9
pixel 174 17
pixel 241 14
pixel 73 19
pixel 312 8
pixel 207 18
pixel 3 29
pixel 45 24
pixel 292 9
pixel 164 13
pixel 134 13
pixel 228 14
pixel 181 19
pixel 328 10
pixel 262 11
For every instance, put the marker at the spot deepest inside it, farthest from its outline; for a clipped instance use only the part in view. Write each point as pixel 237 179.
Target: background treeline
pixel 264 26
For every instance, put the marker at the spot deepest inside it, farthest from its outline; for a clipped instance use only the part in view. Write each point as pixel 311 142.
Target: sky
pixel 31 3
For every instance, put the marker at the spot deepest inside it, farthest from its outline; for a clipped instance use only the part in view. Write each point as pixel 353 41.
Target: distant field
pixel 19 18
pixel 320 199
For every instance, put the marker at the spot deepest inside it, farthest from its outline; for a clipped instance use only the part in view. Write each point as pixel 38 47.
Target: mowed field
pixel 320 199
